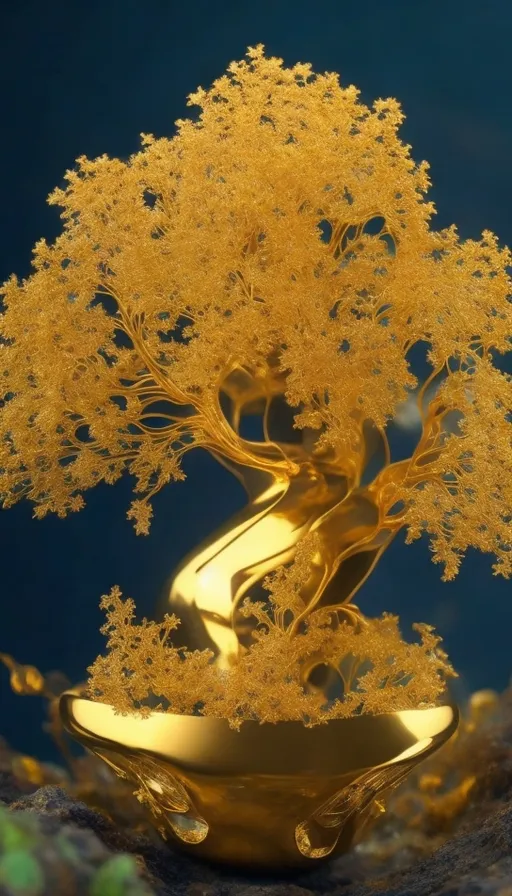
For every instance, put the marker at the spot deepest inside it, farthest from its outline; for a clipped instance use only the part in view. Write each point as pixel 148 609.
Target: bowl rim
pixel 208 744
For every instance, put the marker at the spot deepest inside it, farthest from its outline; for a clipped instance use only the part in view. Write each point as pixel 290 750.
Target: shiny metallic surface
pixel 213 580
pixel 267 796
pixel 270 795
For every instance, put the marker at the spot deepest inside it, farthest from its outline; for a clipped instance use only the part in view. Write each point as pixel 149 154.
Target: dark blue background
pixel 87 78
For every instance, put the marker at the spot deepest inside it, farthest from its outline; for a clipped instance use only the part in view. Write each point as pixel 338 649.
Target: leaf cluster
pixel 378 672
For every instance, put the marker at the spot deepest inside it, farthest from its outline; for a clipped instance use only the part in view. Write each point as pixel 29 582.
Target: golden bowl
pixel 270 795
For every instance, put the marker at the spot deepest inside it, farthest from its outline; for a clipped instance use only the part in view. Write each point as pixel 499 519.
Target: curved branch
pixel 421 392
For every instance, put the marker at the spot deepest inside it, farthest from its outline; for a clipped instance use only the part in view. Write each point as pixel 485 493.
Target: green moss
pixel 118 877
pixel 22 873
pixel 30 859
pixel 14 836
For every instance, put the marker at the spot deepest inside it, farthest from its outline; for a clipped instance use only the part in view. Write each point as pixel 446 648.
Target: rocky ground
pixel 448 832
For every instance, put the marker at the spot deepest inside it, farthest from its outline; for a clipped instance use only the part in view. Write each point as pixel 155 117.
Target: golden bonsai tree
pixel 275 253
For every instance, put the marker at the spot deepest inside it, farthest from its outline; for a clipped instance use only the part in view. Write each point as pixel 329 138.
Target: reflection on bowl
pixel 270 795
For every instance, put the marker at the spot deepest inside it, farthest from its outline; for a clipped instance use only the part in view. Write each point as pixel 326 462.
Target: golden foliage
pixel 377 670
pixel 278 246
pixel 284 233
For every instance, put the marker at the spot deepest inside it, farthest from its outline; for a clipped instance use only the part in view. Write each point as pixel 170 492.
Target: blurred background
pixel 86 78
